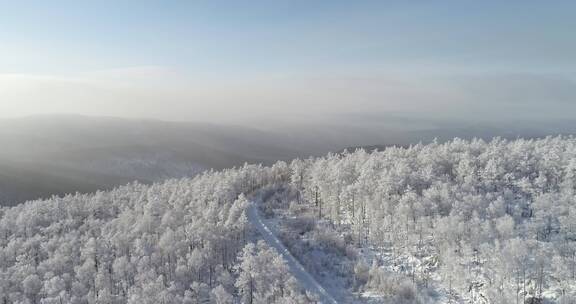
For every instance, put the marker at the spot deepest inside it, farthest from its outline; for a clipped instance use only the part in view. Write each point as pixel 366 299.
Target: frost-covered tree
pixel 488 212
pixel 489 221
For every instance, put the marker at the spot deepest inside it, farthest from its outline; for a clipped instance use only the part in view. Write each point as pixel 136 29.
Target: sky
pixel 240 61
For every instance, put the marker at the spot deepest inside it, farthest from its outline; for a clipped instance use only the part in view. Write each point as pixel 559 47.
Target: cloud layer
pixel 163 93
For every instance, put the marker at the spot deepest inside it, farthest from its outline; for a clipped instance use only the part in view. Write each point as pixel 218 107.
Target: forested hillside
pixel 458 222
pixel 483 222
pixel 182 241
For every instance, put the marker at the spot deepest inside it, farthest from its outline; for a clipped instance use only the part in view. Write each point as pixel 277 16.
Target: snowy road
pixel 298 271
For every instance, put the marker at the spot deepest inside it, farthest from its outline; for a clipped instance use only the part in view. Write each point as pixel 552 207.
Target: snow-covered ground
pixel 279 220
pixel 298 271
pixel 436 294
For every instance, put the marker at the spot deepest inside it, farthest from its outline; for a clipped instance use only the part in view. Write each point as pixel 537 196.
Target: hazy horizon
pixel 289 61
pixel 96 94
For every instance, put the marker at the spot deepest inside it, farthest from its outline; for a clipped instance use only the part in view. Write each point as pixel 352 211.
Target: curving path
pixel 298 271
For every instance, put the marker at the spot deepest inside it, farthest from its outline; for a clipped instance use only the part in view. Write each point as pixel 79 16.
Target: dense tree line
pixel 491 221
pixel 181 241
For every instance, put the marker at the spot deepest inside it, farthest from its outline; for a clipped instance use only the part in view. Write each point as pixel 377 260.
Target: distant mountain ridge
pixel 41 156
pixel 53 155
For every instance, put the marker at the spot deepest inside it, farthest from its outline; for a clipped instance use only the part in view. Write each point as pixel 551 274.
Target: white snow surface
pixel 298 271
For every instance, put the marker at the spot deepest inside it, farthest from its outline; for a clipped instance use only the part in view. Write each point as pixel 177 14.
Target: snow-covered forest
pixel 182 241
pixel 486 222
pixel 455 222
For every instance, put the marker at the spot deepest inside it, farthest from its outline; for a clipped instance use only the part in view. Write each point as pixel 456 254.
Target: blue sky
pixel 271 49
